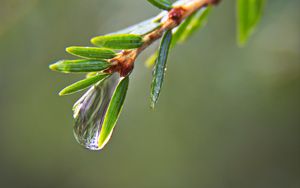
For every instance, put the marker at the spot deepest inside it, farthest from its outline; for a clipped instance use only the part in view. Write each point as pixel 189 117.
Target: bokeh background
pixel 228 117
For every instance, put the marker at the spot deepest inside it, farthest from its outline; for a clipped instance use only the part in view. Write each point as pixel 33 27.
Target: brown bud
pixel 176 14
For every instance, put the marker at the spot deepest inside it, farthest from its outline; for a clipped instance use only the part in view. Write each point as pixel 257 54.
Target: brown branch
pixel 124 62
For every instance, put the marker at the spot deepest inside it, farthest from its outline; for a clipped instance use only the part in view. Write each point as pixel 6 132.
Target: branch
pixel 124 61
pixel 97 111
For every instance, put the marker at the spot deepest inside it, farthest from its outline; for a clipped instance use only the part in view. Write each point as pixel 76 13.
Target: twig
pixel 124 62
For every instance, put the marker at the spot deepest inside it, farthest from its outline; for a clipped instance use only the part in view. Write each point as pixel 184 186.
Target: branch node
pixel 176 14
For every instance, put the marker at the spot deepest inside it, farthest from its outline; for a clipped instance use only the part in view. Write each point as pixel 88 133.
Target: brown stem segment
pixel 124 62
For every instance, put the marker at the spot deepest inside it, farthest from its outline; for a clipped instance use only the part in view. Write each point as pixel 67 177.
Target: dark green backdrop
pixel 227 117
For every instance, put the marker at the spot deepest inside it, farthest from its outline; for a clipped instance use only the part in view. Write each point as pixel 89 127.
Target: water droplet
pixel 89 112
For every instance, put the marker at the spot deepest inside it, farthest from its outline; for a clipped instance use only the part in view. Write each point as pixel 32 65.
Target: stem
pixel 125 60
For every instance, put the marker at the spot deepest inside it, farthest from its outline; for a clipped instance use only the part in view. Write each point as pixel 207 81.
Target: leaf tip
pixel 95 40
pixel 241 43
pixel 62 93
pixel 152 105
pixel 241 40
pixel 70 49
pixel 53 66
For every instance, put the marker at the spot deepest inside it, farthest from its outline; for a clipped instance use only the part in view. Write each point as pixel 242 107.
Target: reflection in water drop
pixel 89 112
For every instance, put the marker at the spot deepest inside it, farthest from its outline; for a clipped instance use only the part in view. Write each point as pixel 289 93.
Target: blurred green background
pixel 228 117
